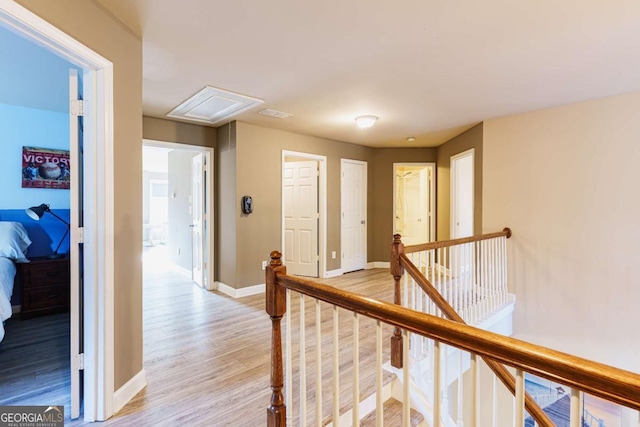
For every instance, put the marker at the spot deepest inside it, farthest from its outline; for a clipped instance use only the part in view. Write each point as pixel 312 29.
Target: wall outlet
pixel 333 254
pixel 264 265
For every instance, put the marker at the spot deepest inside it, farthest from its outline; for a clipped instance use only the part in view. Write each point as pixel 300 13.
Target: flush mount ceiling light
pixel 366 121
pixel 411 139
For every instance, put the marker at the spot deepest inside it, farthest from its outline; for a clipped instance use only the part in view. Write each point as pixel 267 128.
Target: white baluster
pixel 478 282
pixel 437 384
pixel 496 261
pixel 336 367
pixel 379 397
pixel 467 285
pixel 575 416
pixel 504 269
pixel 447 295
pixel 405 293
pixel 518 413
pixel 406 381
pixel 356 370
pixel 455 287
pixel 432 254
pixel 289 362
pixel 460 390
pixel 318 350
pixel 494 408
pixel 303 365
pixel 473 296
pixel 491 271
pixel 439 275
pixel 445 380
pixel 475 390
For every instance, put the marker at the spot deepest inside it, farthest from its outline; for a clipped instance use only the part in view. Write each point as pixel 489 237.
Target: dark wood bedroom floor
pixel 34 361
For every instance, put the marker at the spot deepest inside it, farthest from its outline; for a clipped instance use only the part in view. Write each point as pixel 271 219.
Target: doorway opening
pixel 414 202
pixel 91 215
pixel 304 213
pixel 178 211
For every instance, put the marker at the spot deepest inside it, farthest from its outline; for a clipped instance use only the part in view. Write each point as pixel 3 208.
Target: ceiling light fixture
pixel 366 121
pixel 411 139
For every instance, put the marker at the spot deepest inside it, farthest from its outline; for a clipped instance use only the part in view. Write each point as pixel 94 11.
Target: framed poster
pixel 45 168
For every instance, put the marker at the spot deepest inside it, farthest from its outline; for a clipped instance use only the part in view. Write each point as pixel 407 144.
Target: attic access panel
pixel 213 105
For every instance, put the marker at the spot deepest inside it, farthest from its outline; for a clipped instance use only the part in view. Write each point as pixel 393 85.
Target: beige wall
pixel 469 139
pixel 92 26
pixel 259 164
pixel 566 181
pixel 381 216
pixel 227 206
pixel 184 133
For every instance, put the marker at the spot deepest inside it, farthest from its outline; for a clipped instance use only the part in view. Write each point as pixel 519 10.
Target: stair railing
pixel 477 283
pixel 613 384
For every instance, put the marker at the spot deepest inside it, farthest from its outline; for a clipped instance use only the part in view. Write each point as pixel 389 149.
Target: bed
pixel 14 242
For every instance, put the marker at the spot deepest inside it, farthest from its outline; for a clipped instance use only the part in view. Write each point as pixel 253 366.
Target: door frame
pixel 322 205
pixel 453 191
pixel 432 195
pixel 209 235
pixel 343 161
pixel 98 201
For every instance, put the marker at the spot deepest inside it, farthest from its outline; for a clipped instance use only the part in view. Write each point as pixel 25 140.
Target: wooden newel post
pixel 397 271
pixel 276 307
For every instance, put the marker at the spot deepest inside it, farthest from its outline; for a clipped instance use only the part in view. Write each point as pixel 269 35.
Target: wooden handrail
pixel 446 243
pixel 507 379
pixel 610 383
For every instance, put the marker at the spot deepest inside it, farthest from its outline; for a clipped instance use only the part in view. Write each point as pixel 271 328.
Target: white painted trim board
pixel 128 391
pixel 242 292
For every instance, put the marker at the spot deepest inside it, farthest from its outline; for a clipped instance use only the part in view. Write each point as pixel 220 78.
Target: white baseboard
pixel 378 264
pixel 242 292
pixel 15 309
pixel 180 269
pixel 128 391
pixel 333 273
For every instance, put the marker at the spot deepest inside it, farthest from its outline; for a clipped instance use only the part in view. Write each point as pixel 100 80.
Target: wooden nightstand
pixel 45 286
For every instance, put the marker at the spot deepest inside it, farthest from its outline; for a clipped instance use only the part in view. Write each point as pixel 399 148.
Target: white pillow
pixel 14 241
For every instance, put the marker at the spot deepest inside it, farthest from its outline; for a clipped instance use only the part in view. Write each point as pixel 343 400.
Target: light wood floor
pixel 207 356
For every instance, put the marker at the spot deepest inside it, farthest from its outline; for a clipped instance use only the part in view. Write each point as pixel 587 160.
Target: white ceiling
pixel 427 68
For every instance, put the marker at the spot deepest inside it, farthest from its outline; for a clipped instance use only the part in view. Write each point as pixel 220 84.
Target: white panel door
pixel 76 247
pixel 300 192
pixel 462 208
pixel 353 196
pixel 197 217
pixel 462 194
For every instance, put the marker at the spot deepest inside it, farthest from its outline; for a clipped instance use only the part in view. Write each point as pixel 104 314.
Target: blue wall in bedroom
pixel 21 126
pixel 34 112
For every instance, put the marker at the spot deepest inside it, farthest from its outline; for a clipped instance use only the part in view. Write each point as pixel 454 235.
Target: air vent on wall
pixel 274 113
pixel 212 105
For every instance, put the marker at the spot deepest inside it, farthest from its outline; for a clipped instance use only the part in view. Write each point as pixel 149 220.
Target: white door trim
pixel 453 199
pixel 432 194
pixel 209 169
pixel 322 205
pixel 98 208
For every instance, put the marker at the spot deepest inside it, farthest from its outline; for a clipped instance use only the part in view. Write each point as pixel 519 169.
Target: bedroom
pixel 33 113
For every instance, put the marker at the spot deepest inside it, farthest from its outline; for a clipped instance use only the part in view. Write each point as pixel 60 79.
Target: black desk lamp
pixel 37 212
